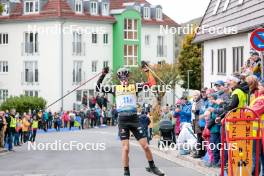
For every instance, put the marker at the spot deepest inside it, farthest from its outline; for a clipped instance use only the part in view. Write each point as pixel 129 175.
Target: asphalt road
pixel 103 160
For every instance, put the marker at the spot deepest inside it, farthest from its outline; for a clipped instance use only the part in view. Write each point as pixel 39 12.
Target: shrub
pixel 24 103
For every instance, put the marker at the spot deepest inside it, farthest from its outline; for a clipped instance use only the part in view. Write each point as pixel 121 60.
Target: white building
pixel 227 48
pixel 49 47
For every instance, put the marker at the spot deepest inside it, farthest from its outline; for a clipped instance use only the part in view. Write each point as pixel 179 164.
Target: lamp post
pixel 188 81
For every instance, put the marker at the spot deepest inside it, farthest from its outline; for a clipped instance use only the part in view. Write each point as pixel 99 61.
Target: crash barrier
pixel 240 128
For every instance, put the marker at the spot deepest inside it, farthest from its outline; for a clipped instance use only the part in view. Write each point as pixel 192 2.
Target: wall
pixel 228 43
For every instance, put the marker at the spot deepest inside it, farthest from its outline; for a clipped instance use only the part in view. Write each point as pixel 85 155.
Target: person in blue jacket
pixel 185 111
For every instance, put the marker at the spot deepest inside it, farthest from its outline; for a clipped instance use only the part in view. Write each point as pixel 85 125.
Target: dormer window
pixel 78 6
pixel 105 8
pixel 158 13
pixel 31 6
pixel 146 13
pixel 94 8
pixel 5 9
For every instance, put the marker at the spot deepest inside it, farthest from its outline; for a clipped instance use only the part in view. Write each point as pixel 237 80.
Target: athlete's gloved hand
pixel 105 70
pixel 144 66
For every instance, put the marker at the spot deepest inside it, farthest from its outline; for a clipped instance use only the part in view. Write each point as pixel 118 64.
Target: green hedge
pixel 24 103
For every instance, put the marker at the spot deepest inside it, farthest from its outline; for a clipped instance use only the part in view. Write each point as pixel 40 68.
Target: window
pixel 91 92
pixel 221 60
pixel 30 44
pixel 31 74
pixel 146 13
pixel 31 93
pixel 31 6
pixel 147 40
pixel 77 45
pixel 93 8
pixel 105 38
pixel 94 66
pixel 226 5
pixel 216 7
pixel 78 95
pixel 78 6
pixel 5 9
pixel 238 59
pixel 3 38
pixel 212 62
pixel 3 66
pixel 161 48
pixel 130 55
pixel 158 13
pixel 3 94
pixel 94 38
pixel 240 2
pixel 130 29
pixel 105 64
pixel 77 72
pixel 105 9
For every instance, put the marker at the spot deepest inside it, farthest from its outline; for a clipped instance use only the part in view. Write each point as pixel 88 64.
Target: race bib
pixel 123 101
pixel 126 99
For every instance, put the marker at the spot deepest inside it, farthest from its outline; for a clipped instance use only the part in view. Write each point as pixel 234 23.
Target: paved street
pixel 78 163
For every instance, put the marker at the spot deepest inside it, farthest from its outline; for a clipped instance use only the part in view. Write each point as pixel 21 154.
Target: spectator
pixel 196 107
pixel 92 102
pixel 34 129
pixel 150 127
pixel 57 122
pixel 11 129
pixel 72 119
pixel 25 128
pixel 66 119
pixel 114 116
pixel 18 130
pixel 185 111
pixel 83 116
pixel 214 129
pixel 50 119
pixel 2 128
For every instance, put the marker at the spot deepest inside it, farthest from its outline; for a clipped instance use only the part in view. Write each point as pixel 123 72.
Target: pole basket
pixel 240 138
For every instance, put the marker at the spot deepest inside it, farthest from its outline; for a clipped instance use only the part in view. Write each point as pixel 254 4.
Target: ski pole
pixel 73 90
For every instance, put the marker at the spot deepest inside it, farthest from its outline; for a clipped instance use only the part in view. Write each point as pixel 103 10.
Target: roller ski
pixel 155 171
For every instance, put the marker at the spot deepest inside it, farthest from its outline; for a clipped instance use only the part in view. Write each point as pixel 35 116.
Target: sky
pixel 182 11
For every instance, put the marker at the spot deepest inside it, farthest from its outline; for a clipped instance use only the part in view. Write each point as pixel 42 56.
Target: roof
pixel 61 9
pixel 236 18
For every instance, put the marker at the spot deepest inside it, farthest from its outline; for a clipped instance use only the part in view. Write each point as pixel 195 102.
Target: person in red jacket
pixel 258 106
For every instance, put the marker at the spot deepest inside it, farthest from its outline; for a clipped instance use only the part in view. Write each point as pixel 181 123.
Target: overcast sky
pixel 182 11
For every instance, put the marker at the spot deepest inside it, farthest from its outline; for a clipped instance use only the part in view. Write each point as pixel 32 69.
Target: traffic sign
pixel 257 39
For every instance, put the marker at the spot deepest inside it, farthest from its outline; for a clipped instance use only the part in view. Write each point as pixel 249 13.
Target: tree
pixel 190 59
pixel 24 103
pixel 1 8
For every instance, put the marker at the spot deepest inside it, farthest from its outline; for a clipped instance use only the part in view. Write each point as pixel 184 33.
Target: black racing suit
pixel 127 121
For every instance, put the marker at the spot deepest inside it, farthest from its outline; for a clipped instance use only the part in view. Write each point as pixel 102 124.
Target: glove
pixel 105 70
pixel 144 66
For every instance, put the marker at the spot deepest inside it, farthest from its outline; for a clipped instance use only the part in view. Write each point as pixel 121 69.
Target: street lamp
pixel 188 77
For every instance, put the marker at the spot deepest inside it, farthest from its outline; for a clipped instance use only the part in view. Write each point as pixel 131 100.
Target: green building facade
pixel 127 39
